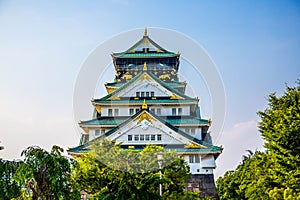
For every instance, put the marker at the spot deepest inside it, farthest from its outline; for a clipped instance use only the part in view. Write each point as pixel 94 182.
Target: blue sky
pixel 255 45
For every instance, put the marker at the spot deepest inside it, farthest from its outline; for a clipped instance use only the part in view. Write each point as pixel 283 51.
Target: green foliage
pixel 45 175
pixel 8 188
pixel 280 127
pixel 274 174
pixel 110 172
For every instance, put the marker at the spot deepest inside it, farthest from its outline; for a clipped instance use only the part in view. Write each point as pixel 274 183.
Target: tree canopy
pixel 275 173
pixel 44 175
pixel 110 172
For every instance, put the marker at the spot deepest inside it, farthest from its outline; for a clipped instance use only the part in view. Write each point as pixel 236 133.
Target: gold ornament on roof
pixel 145 32
pixel 144 105
pixel 145 66
pixel 174 96
pixel 143 116
pixel 98 109
pixel 192 145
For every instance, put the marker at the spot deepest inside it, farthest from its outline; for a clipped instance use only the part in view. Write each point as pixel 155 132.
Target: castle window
pixel 147 94
pixel 179 111
pixel 197 159
pixel 147 138
pixel 152 137
pixel 141 137
pixel 187 130
pixel 193 131
pixel 152 110
pixel 116 112
pixel 158 111
pixel 158 137
pixel 137 94
pixel 142 94
pixel 97 132
pixel 109 112
pixel 173 111
pixel 152 94
pixel 129 137
pixel 191 159
pixel 137 110
pixel 136 137
pixel 131 111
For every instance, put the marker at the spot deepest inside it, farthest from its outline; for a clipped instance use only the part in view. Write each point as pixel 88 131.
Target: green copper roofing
pixel 111 131
pixel 145 44
pixel 144 55
pixel 173 84
pixel 149 101
pixel 116 121
pixel 182 150
pixel 81 149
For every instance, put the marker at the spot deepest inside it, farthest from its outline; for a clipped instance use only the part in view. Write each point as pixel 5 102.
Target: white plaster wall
pixel 165 110
pixel 208 161
pixel 145 86
pixel 196 168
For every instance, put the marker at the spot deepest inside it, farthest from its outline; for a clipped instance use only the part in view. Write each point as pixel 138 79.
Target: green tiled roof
pixel 81 149
pixel 111 131
pixel 116 121
pixel 144 55
pixel 149 101
pixel 173 84
pixel 211 149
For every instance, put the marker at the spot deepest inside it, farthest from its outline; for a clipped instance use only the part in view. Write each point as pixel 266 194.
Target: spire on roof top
pixel 145 32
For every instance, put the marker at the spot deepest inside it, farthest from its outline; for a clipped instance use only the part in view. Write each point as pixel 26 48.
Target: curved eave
pixel 144 55
pixel 149 102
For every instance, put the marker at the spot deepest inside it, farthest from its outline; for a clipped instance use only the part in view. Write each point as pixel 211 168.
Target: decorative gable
pixel 145 128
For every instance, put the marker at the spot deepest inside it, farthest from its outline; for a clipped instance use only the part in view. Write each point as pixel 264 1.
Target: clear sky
pixel 255 45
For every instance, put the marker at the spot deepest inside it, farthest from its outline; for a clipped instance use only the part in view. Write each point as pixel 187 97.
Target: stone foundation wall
pixel 203 183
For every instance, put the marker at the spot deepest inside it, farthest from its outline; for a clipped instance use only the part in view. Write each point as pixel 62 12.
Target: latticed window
pixel 152 137
pixel 173 111
pixel 129 137
pixel 142 137
pixel 109 112
pixel 131 111
pixel 158 111
pixel 147 137
pixel 197 159
pixel 191 159
pixel 158 137
pixel 97 132
pixel 116 112
pixel 136 138
pixel 179 111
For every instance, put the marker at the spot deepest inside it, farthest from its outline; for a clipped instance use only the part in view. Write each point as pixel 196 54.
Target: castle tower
pixel 146 103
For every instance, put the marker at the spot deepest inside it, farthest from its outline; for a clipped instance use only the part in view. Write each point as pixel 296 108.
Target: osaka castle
pixel 147 104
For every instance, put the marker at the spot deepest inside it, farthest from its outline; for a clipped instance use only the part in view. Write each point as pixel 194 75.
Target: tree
pixel 280 127
pixel 110 172
pixel 273 174
pixel 45 175
pixel 9 188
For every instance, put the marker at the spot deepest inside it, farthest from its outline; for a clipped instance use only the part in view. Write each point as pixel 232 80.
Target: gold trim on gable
pixel 144 116
pixel 98 109
pixel 145 77
pixel 114 98
pixel 174 96
pixel 192 145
